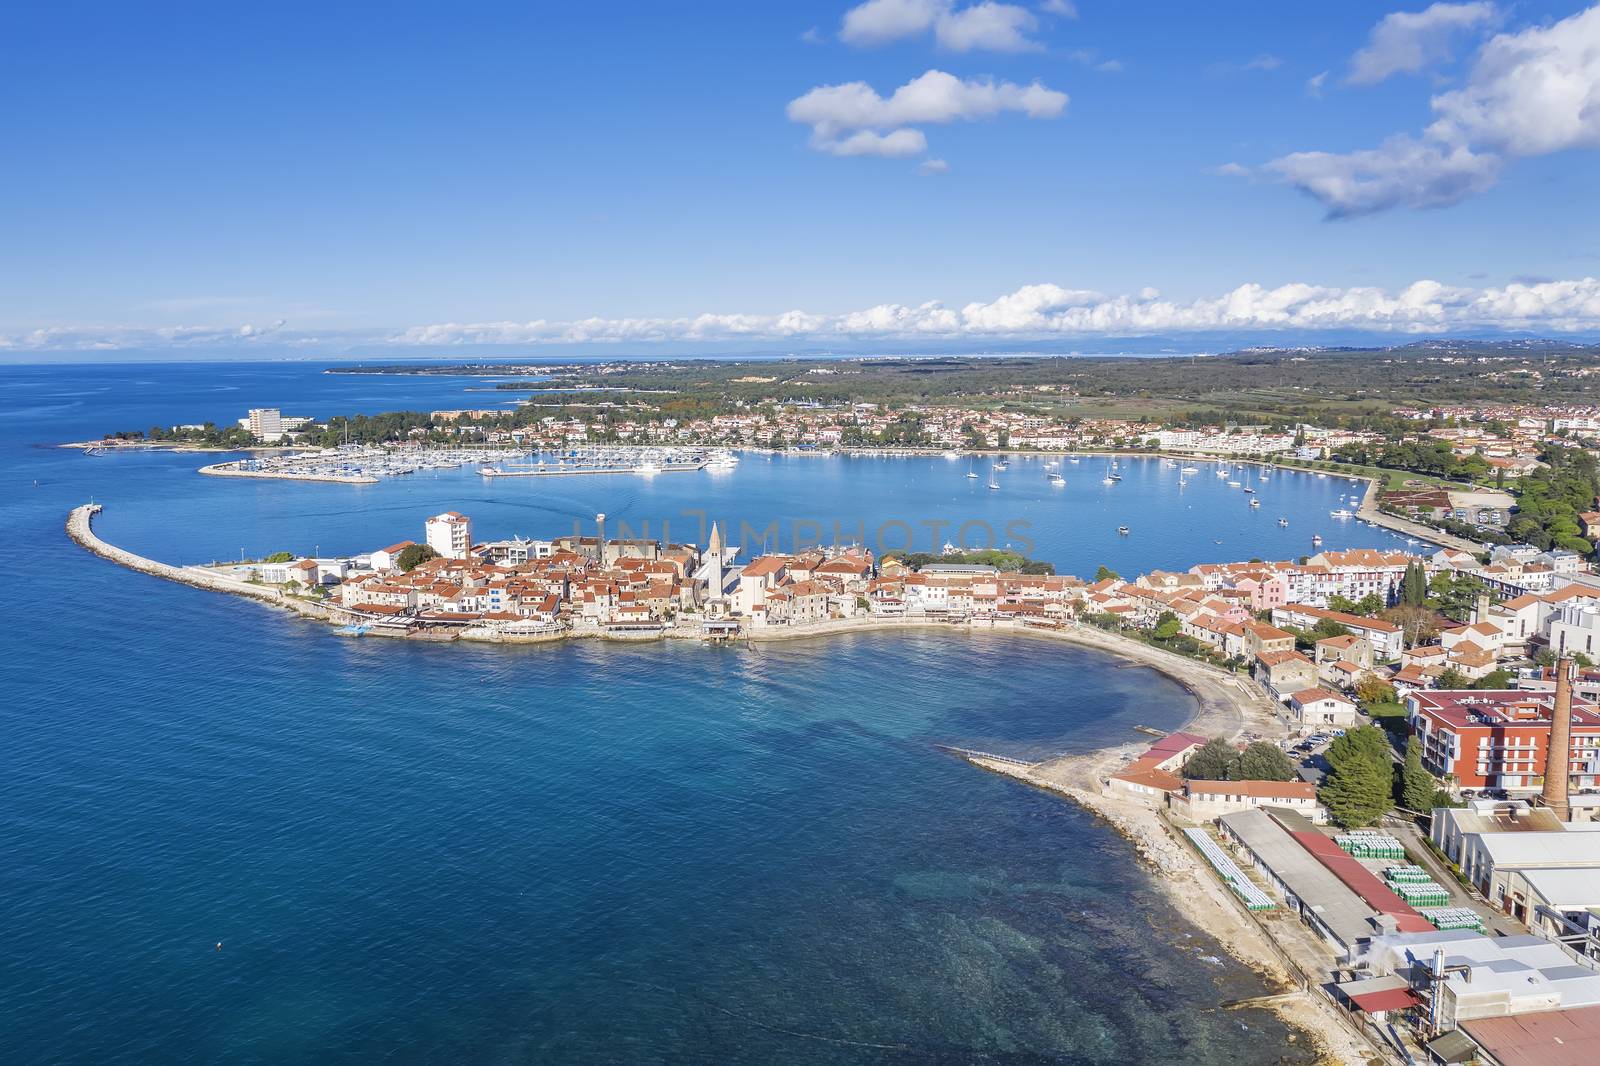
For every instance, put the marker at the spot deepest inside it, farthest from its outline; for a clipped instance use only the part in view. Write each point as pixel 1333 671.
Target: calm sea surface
pixel 582 853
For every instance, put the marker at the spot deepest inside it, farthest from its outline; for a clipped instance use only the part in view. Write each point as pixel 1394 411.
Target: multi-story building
pixel 1497 738
pixel 265 424
pixel 450 534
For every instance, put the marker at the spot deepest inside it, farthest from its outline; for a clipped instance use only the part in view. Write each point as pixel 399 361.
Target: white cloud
pixel 986 26
pixel 1065 8
pixel 1314 84
pixel 1532 92
pixel 1407 42
pixel 930 167
pixel 836 112
pixel 895 144
pixel 111 338
pixel 1231 170
pixel 813 36
pixel 881 21
pixel 1052 310
pixel 1402 172
pixel 1042 310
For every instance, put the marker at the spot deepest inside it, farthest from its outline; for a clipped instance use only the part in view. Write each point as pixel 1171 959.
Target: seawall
pixel 80 527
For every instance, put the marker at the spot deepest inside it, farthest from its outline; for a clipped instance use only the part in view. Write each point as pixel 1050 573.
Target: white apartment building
pixel 450 534
pixel 265 424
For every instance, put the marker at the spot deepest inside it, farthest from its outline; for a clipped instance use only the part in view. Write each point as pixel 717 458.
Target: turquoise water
pixel 581 853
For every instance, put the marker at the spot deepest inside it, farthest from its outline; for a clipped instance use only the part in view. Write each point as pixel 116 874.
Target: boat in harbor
pixel 1056 479
pixel 1122 530
pixel 1284 522
pixel 1341 513
pixel 971 474
pixel 1316 539
pixel 1189 470
pixel 1255 503
pixel 993 484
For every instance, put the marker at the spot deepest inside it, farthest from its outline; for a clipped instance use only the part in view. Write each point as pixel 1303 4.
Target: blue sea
pixel 227 834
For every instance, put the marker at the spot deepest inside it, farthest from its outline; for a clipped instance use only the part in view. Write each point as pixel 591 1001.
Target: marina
pixel 364 465
pixel 609 461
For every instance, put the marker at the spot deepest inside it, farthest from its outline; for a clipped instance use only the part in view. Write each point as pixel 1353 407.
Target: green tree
pixel 1215 761
pixel 1414 587
pixel 1358 789
pixel 1264 761
pixel 1106 572
pixel 1452 678
pixel 1416 785
pixel 279 557
pixel 1500 678
pixel 1327 627
pixel 1370 604
pixel 1167 626
pixel 414 556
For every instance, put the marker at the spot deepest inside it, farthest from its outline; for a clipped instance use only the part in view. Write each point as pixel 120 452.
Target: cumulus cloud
pixel 1402 172
pixel 1065 8
pixel 987 26
pixel 1531 92
pixel 1038 311
pixel 840 115
pixel 1407 42
pixel 1052 310
pixel 933 166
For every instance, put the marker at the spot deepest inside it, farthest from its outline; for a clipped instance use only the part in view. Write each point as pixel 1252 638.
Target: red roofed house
pixel 1285 672
pixel 1317 708
pixel 1155 773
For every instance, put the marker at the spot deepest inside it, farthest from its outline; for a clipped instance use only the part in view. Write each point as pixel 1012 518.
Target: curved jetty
pixel 80 527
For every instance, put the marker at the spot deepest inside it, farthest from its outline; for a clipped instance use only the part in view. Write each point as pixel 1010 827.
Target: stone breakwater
pixel 80 527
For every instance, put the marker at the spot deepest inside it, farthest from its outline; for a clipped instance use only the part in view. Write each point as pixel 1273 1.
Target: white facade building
pixel 265 424
pixel 450 534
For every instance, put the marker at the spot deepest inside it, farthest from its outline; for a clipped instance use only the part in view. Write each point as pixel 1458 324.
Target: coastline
pixel 1223 706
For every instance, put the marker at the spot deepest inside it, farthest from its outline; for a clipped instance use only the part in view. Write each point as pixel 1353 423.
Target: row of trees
pixel 1363 782
pixel 1217 760
pixel 1550 500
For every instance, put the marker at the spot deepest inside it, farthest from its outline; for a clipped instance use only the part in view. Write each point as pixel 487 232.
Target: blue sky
pixel 319 176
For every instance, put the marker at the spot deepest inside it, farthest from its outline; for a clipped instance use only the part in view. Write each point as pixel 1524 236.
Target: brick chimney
pixel 1558 757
